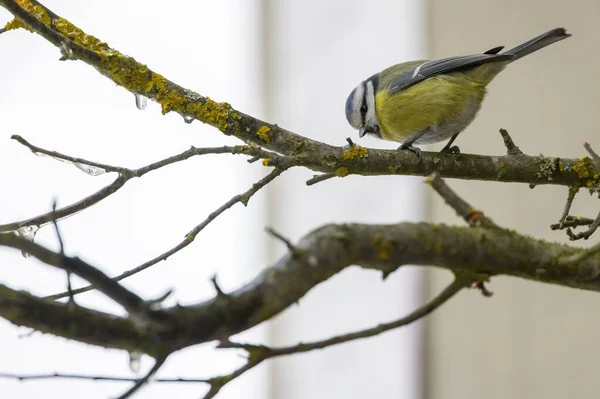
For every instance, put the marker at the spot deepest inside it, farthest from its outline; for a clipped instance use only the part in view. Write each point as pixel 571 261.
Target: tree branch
pixel 76 323
pixel 100 281
pixel 126 174
pixel 191 235
pixel 341 161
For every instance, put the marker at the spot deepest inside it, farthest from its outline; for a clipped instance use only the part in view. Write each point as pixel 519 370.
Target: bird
pixel 428 101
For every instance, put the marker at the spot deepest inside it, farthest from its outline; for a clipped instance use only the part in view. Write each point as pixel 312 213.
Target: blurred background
pixel 294 63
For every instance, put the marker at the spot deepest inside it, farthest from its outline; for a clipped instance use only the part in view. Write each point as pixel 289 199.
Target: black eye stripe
pixel 363 107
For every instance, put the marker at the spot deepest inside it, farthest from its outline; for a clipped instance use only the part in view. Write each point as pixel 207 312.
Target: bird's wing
pixel 445 65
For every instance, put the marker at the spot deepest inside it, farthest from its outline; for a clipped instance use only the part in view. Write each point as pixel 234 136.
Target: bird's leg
pixel 449 149
pixel 407 145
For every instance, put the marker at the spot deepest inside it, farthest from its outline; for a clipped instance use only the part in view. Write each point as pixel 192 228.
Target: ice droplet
pixel 188 119
pixel 28 233
pixel 140 101
pixel 134 361
pixel 89 169
pixel 66 52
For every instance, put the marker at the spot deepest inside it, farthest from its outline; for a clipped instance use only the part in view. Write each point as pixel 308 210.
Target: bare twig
pixel 595 157
pixel 51 376
pixel 319 178
pixel 573 222
pixel 587 233
pixel 573 190
pixel 125 175
pixel 130 301
pixel 293 250
pixel 62 157
pixel 190 236
pixel 471 215
pixel 217 287
pixel 260 353
pixel 62 252
pixel 511 148
pixel 144 380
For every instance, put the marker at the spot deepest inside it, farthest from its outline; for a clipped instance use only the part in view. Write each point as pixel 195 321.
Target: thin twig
pixel 587 233
pixel 130 301
pixel 30 377
pixel 217 287
pixel 125 175
pixel 573 222
pixel 573 190
pixel 593 154
pixel 144 380
pixel 57 155
pixel 189 237
pixel 69 210
pixel 319 178
pixel 259 353
pixel 471 215
pixel 511 147
pixel 62 251
pixel 293 250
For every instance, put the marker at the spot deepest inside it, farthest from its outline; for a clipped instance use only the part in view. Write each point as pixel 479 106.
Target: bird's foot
pixel 411 148
pixel 450 150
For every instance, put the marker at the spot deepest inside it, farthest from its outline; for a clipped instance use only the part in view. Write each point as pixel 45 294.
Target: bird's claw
pixel 413 149
pixel 450 150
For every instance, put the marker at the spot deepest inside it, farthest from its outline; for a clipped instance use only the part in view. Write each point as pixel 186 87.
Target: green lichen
pixel 342 172
pixel 547 166
pixel 263 133
pixel 354 152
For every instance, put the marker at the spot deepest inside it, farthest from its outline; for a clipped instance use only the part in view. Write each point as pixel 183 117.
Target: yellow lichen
pixel 36 11
pixel 383 246
pixel 583 167
pixel 265 161
pixel 263 133
pixel 437 246
pixel 354 152
pixel 91 43
pixel 342 172
pixel 501 164
pixel 16 23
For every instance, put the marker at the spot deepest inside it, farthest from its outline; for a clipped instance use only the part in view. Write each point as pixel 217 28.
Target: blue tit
pixel 422 102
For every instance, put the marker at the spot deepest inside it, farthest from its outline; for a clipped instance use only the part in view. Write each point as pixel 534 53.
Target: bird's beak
pixel 362 132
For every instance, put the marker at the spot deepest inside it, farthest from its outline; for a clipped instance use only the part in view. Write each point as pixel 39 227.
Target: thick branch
pixel 76 323
pixel 139 79
pixel 332 248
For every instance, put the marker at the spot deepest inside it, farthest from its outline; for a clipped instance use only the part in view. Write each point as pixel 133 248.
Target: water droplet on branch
pixel 140 101
pixel 134 361
pixel 89 169
pixel 28 233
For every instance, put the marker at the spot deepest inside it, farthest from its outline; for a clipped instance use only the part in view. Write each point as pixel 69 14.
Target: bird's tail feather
pixel 541 41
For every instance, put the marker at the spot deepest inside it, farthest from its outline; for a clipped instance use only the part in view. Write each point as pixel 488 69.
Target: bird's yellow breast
pixel 433 103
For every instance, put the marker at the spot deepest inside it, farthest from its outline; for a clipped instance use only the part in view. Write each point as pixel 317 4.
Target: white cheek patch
pixel 371 116
pixel 357 99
